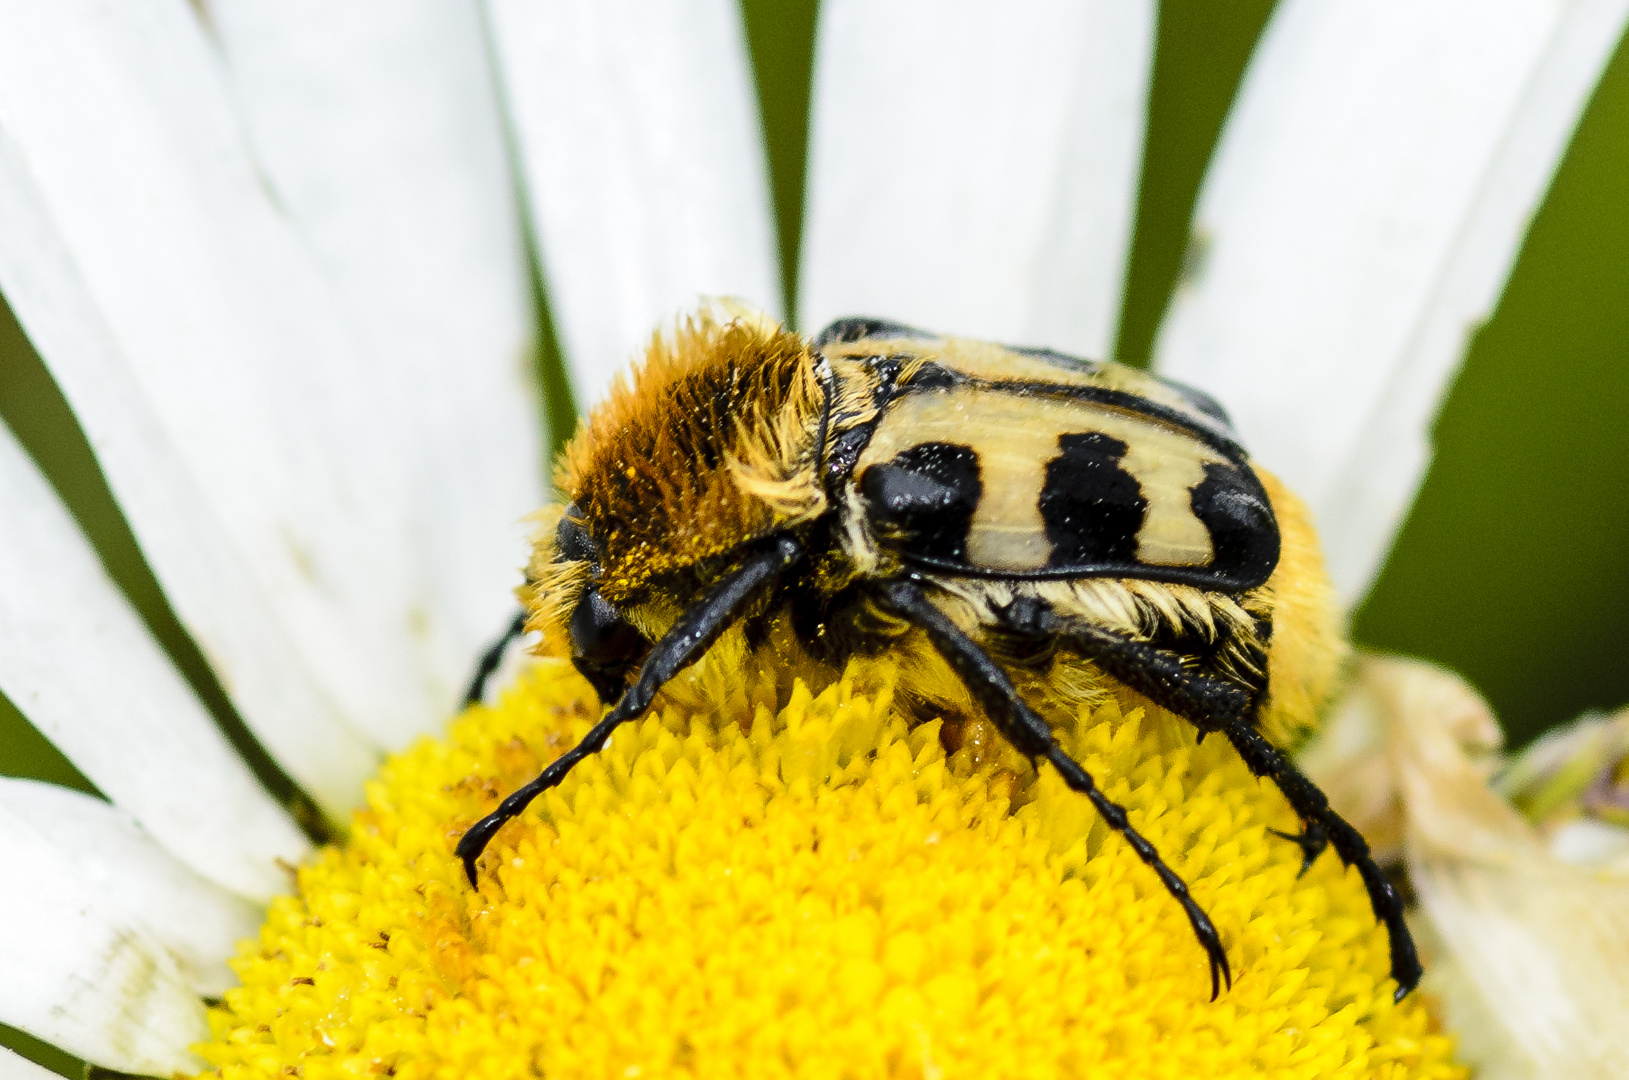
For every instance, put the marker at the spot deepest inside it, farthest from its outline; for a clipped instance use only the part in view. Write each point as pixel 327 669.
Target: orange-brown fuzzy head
pixel 711 444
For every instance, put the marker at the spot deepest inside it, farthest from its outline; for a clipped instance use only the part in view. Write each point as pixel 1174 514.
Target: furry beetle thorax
pixel 1029 527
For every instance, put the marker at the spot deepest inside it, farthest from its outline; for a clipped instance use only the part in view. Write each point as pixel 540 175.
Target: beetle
pixel 884 488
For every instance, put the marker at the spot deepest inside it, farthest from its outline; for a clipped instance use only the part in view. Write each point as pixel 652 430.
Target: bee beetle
pixel 991 511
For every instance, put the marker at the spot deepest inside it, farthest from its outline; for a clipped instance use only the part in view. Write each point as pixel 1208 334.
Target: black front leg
pixel 681 646
pixel 492 657
pixel 1028 732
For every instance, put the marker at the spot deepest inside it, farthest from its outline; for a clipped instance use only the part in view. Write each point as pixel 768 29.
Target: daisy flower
pixel 281 258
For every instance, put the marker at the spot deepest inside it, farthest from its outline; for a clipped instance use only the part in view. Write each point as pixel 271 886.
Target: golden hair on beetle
pixel 709 444
pixel 1309 654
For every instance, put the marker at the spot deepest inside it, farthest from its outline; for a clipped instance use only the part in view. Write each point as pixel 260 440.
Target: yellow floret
pixel 818 892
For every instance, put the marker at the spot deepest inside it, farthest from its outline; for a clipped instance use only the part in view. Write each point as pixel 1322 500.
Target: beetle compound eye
pixel 572 541
pixel 859 328
pixel 604 646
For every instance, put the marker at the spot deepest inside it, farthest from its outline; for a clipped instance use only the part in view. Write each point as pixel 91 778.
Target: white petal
pixel 198 345
pixel 83 970
pixel 640 144
pixel 200 924
pixel 1359 221
pixel 377 125
pixel 209 586
pixel 14 1066
pixel 1587 842
pixel 79 663
pixel 974 166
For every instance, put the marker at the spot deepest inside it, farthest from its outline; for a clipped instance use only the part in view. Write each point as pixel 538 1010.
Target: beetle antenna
pixel 1030 735
pixel 492 657
pixel 692 635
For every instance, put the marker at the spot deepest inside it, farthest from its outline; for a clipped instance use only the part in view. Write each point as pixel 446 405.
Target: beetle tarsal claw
pixel 1312 840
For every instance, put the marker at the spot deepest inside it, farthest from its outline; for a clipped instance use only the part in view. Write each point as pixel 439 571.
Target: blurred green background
pixel 1511 567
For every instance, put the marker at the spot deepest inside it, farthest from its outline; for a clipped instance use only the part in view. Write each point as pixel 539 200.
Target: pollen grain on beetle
pixel 731 890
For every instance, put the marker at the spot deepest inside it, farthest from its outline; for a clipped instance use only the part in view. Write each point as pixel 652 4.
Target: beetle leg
pixel 1309 801
pixel 492 657
pixel 1029 733
pixel 681 646
pixel 1215 705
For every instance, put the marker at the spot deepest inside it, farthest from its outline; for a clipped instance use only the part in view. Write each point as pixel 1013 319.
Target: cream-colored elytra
pixel 1016 435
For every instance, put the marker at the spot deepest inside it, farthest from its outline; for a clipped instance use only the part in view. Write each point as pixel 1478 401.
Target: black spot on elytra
pixel 931 376
pixel 923 500
pixel 1243 530
pixel 854 328
pixel 1092 507
pixel 1056 358
pixel 1201 401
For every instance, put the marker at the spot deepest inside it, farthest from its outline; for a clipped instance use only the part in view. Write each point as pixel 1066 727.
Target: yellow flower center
pixel 814 892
